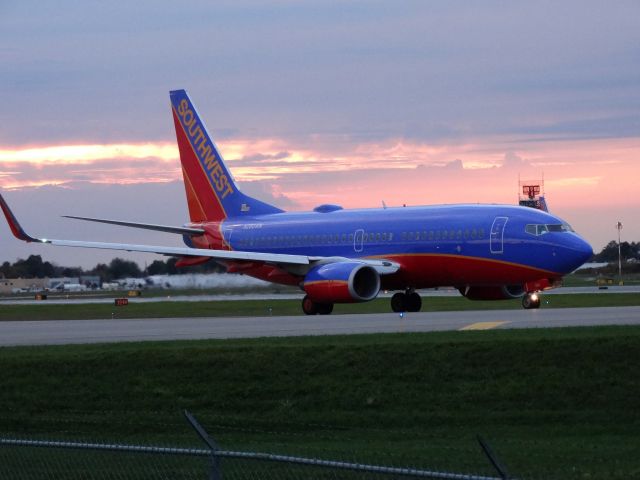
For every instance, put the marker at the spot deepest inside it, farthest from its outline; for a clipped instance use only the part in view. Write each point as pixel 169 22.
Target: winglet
pixel 14 225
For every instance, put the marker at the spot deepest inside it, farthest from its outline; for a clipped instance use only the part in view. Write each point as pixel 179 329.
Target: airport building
pixel 18 285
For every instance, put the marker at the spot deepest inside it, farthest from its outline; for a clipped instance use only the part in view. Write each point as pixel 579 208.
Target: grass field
pixel 559 403
pixel 287 307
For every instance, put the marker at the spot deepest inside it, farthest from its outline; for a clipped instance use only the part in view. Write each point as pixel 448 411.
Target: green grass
pixel 559 403
pixel 588 278
pixel 287 307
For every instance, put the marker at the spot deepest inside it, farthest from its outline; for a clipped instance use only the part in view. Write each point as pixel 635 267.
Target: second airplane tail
pixel 212 194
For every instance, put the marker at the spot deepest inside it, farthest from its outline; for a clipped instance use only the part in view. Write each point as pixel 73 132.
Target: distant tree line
pixel 610 252
pixel 35 267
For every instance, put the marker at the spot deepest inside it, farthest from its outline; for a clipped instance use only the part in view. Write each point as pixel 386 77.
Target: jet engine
pixel 504 292
pixel 342 282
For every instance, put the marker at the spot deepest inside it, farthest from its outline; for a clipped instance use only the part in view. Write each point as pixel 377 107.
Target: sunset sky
pixel 311 102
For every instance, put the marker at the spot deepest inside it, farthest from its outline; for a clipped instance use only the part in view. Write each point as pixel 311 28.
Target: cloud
pixel 454 165
pixel 260 158
pixel 292 70
pixel 575 182
pixel 88 153
pixel 513 161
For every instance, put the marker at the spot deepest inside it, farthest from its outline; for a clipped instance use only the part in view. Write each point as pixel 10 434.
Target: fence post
pixel 493 458
pixel 215 473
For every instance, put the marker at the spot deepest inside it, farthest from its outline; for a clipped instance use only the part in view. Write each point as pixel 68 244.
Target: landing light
pixel 534 297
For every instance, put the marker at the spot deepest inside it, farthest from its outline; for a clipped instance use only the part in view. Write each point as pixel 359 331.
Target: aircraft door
pixel 496 240
pixel 226 235
pixel 358 239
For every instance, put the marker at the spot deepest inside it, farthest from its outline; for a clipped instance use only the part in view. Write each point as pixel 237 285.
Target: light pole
pixel 619 227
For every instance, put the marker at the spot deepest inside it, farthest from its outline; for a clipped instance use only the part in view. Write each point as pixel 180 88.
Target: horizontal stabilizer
pixel 146 226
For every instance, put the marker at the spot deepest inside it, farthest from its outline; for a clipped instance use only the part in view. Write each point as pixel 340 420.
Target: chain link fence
pixel 39 459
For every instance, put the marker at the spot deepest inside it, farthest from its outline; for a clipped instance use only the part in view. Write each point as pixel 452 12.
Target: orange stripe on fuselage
pixel 317 282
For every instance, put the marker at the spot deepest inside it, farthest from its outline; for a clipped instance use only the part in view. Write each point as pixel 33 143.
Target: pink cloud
pixel 578 174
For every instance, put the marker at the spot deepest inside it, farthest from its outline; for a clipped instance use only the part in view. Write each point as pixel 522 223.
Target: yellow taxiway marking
pixel 483 325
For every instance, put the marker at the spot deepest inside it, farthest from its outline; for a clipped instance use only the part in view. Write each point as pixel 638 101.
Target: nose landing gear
pixel 531 301
pixel 409 301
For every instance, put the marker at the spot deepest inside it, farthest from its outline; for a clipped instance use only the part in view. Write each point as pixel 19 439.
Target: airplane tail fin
pixel 212 194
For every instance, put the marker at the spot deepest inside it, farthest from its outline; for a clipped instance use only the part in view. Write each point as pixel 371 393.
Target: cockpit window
pixel 541 229
pixel 560 227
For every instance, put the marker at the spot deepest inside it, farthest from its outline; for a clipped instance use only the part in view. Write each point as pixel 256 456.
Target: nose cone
pixel 577 251
pixel 585 251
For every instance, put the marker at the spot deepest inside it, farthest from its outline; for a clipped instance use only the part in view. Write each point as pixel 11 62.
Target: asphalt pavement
pixel 57 332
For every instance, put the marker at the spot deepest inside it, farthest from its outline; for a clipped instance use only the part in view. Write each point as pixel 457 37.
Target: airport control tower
pixel 531 194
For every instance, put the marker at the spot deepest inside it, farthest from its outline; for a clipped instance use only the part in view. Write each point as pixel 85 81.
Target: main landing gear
pixel 531 301
pixel 314 308
pixel 408 301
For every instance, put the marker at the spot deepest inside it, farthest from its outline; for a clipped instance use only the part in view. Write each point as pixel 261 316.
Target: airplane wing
pixel 383 267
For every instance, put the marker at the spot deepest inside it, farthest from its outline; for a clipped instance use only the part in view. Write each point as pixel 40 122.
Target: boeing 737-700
pixel 335 255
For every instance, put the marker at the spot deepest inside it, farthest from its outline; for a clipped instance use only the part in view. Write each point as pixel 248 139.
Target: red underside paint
pixel 328 291
pixel 268 273
pixel 429 271
pixel 212 239
pixel 191 261
pixel 543 284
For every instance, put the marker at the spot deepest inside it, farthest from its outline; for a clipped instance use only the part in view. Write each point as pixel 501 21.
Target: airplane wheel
pixel 398 302
pixel 414 302
pixel 531 301
pixel 325 308
pixel 309 306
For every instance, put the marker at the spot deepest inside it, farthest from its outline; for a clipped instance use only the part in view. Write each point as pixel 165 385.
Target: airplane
pixel 337 255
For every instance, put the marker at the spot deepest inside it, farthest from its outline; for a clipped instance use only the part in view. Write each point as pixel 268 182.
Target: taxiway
pixel 57 332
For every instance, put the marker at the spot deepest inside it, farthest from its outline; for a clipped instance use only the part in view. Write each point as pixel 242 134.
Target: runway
pixel 58 332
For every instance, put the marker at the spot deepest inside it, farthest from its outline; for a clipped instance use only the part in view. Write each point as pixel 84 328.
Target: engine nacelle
pixel 342 282
pixel 504 292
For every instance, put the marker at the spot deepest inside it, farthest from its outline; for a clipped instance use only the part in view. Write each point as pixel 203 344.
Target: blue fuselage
pixel 435 245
